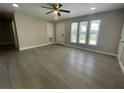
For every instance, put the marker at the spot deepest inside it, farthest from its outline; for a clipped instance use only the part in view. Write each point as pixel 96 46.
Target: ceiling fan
pixel 56 9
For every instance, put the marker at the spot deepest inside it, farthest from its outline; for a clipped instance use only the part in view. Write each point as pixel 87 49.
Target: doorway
pixel 8 34
pixel 60 33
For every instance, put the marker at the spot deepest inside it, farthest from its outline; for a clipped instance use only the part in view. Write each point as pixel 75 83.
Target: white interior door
pixel 60 33
pixel 50 33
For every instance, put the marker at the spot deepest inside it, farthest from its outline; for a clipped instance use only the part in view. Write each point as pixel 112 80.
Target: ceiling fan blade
pixel 46 7
pixel 58 14
pixel 64 11
pixel 49 12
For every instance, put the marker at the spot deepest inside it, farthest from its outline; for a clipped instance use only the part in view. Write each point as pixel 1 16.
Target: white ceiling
pixel 77 9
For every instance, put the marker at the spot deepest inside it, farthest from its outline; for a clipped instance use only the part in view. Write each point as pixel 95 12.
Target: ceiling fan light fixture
pixel 55 8
pixel 55 11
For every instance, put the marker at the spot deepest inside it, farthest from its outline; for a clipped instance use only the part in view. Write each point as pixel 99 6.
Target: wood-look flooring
pixel 58 67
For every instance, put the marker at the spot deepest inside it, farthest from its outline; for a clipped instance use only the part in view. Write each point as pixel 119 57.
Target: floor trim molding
pixel 40 45
pixel 97 51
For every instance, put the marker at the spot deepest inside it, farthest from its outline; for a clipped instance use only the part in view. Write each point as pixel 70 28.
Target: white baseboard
pixel 97 51
pixel 40 45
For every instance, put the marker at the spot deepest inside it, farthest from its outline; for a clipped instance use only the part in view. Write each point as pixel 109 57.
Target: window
pixel 74 29
pixel 93 33
pixel 83 32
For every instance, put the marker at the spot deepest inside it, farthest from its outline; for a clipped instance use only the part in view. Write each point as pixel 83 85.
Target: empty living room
pixel 61 46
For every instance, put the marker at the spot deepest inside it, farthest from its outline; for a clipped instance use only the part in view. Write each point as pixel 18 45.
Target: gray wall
pixel 110 29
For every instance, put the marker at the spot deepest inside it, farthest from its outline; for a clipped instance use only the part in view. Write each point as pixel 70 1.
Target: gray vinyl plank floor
pixel 60 67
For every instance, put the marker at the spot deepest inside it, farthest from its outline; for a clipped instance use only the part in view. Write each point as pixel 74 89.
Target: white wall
pixel 31 31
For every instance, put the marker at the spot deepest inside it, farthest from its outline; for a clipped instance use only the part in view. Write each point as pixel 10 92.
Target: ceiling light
pixel 15 5
pixel 56 18
pixel 93 8
pixel 55 11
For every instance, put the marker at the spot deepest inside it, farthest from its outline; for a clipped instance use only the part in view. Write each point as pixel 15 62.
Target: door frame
pixel 61 33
